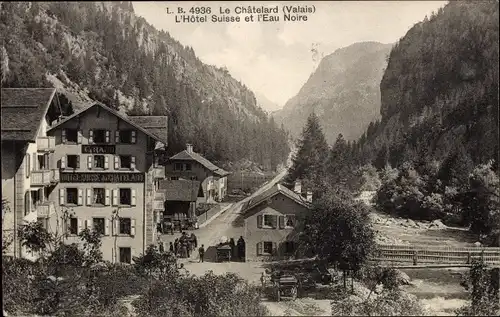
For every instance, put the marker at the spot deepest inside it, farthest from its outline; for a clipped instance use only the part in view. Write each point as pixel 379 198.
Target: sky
pixel 275 59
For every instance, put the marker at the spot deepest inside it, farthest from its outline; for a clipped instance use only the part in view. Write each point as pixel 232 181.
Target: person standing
pixel 201 252
pixel 241 249
pixel 160 246
pixel 176 247
pixel 233 249
pixel 184 252
pixel 194 240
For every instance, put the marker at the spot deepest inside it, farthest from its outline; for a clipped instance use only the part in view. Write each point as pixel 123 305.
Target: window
pixel 125 255
pixel 99 136
pixel 99 161
pixel 268 247
pixel 73 226
pixel 188 167
pixel 177 167
pixel 269 221
pixel 125 225
pixel 98 224
pixel 125 161
pixel 98 196
pixel 71 136
pixel 289 221
pixel 43 162
pixel 73 161
pixel 125 196
pixel 126 136
pixel 72 196
pixel 288 247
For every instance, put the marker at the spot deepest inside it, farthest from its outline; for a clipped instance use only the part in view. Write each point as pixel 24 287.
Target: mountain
pixel 103 51
pixel 439 92
pixel 265 103
pixel 343 91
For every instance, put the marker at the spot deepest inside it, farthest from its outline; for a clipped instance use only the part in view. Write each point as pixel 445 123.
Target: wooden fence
pixel 421 255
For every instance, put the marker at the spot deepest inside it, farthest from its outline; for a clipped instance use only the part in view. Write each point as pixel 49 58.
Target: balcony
pixel 46 144
pixel 159 172
pixel 44 177
pixel 159 201
pixel 45 209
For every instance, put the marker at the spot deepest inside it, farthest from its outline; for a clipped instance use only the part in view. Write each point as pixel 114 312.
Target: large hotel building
pixel 94 169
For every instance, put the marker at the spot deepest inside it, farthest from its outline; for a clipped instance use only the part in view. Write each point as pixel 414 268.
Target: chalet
pixel 108 166
pixel 29 173
pixel 189 165
pixel 181 200
pixel 272 220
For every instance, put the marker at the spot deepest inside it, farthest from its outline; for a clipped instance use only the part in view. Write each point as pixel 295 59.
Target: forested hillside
pixel 103 51
pixel 344 91
pixel 440 90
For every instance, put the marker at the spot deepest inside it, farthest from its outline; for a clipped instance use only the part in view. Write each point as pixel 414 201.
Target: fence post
pixel 415 258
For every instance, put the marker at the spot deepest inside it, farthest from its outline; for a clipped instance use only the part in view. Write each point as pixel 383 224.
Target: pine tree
pixel 309 163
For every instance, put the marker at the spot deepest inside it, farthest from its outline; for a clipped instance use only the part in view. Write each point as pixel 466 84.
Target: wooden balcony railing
pixel 45 209
pixel 46 144
pixel 44 177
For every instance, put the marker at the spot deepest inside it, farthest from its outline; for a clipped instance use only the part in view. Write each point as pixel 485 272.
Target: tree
pixel 309 163
pixel 483 286
pixel 481 203
pixel 339 231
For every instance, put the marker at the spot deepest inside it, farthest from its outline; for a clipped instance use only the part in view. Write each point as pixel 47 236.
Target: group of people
pixel 184 246
pixel 237 249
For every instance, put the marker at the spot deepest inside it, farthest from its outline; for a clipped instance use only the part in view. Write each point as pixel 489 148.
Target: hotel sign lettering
pixel 101 178
pixel 98 149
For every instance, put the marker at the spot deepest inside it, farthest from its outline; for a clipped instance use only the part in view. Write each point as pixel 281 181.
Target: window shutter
pixel 282 222
pixel 107 136
pixel 132 162
pixel 106 162
pixel 80 136
pixel 275 221
pixel 62 193
pixel 78 161
pixel 132 198
pixel 27 160
pixel 89 224
pixel 275 248
pixel 89 162
pixel 115 197
pixel 27 202
pixel 80 196
pixel 117 136
pixel 91 136
pixel 89 196
pixel 132 227
pixel 80 225
pixel 117 162
pixel 106 197
pixel 134 137
pixel 259 248
pixel 63 136
pixel 115 223
pixel 63 162
pixel 106 227
pixel 35 165
pixel 259 221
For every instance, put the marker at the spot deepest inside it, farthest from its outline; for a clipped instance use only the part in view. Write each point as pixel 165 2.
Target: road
pixel 226 224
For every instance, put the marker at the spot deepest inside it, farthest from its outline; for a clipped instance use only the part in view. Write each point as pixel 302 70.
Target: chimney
pixel 298 188
pixel 309 196
pixel 189 148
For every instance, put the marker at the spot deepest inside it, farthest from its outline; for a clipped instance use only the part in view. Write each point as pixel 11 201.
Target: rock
pixel 402 278
pixel 437 224
pixel 411 223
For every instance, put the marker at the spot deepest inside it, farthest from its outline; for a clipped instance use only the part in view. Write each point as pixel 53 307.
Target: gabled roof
pixel 114 112
pixel 180 190
pixel 273 191
pixel 193 156
pixel 157 125
pixel 23 110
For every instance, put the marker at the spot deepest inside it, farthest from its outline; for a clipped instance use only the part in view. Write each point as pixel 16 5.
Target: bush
pixel 209 295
